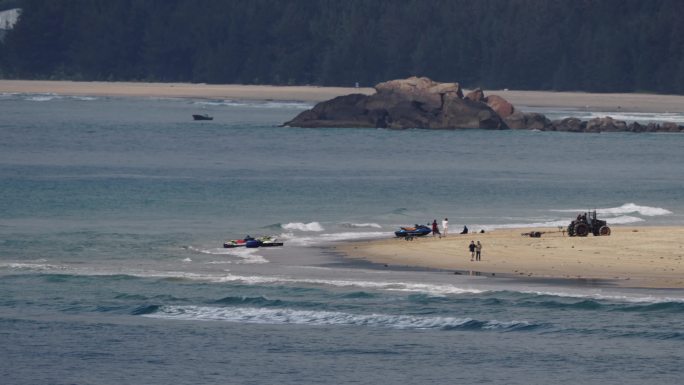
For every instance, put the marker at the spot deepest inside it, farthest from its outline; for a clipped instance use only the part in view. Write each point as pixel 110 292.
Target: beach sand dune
pixel 630 257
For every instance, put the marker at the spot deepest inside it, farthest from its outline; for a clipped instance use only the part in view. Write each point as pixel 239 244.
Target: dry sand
pixel 577 100
pixel 630 257
pixel 179 90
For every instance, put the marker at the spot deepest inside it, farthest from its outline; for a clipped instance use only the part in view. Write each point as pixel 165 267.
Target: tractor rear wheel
pixel 581 229
pixel 604 230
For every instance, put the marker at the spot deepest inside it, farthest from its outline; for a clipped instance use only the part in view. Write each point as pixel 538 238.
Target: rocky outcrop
pixel 406 103
pixel 422 103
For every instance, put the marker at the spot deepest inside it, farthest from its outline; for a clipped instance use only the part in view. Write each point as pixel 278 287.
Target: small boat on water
pixel 202 117
pixel 415 231
pixel 250 243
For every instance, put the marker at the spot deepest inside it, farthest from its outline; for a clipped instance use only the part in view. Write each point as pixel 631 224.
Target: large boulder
pixel 420 89
pixel 342 111
pixel 464 113
pixel 406 103
pixel 500 105
pixel 476 95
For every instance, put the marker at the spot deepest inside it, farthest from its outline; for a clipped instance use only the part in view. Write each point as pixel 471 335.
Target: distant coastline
pixel 545 99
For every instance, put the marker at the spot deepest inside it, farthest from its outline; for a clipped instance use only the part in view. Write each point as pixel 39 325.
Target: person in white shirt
pixel 445 226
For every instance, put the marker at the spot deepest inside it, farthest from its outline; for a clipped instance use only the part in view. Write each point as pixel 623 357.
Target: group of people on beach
pixel 474 248
pixel 475 251
pixel 445 228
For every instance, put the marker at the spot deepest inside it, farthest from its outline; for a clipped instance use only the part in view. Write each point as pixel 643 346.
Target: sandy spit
pixel 647 257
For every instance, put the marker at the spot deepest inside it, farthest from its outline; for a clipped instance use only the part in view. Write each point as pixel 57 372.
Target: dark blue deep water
pixel 114 211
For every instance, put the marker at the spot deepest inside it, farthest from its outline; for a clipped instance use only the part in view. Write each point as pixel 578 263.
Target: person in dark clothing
pixel 435 229
pixel 472 248
pixel 465 230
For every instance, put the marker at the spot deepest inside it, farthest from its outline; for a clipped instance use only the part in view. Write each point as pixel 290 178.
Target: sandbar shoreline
pixel 613 102
pixel 645 257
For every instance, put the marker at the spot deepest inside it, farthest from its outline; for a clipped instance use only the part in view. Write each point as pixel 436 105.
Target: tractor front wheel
pixel 604 230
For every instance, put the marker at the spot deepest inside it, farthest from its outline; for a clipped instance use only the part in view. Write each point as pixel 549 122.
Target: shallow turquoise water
pixel 112 271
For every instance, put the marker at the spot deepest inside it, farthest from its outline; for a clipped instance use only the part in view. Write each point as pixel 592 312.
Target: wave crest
pixel 361 225
pixel 311 226
pixel 322 318
pixel 627 208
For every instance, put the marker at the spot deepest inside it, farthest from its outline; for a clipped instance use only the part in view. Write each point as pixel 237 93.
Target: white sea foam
pixel 47 97
pixel 321 239
pixel 627 208
pixel 42 97
pixel 361 225
pixel 433 289
pixel 32 266
pixel 600 295
pixel 320 318
pixel 187 260
pixel 639 116
pixel 256 104
pixel 83 98
pixel 244 255
pixel 300 226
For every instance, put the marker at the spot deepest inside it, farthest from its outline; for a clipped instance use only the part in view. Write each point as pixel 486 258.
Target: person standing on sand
pixel 445 226
pixel 435 229
pixel 472 247
pixel 478 251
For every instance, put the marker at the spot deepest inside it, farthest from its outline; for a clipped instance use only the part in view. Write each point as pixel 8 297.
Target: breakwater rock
pixel 422 103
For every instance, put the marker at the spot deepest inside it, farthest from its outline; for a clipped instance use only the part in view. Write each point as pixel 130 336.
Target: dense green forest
pixel 590 45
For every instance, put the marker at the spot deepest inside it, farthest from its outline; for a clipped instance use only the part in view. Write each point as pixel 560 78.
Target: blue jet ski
pixel 415 231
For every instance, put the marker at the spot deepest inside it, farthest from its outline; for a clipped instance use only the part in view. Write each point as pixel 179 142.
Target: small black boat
pixel 202 117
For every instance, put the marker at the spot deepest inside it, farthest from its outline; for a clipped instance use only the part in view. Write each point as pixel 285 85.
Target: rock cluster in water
pixel 422 103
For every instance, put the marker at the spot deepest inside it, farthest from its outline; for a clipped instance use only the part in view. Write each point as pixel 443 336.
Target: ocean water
pixel 114 211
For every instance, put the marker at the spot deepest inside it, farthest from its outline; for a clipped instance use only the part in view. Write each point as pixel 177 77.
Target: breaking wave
pixel 243 255
pixel 311 226
pixel 321 239
pixel 627 208
pixel 361 225
pixel 322 318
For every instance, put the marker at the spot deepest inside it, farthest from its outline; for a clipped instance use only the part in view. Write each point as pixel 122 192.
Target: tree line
pixel 588 45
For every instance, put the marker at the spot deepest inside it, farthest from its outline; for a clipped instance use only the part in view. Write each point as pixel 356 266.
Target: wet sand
pixel 650 257
pixel 575 100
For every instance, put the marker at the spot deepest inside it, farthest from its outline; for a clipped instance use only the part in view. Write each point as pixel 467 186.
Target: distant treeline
pixel 590 45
